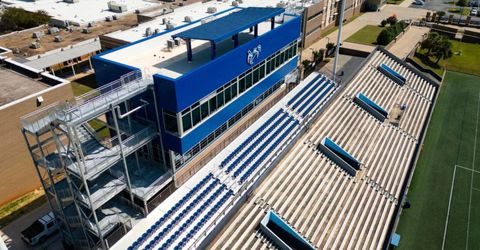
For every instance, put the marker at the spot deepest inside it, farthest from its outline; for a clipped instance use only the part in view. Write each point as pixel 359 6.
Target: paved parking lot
pixel 11 233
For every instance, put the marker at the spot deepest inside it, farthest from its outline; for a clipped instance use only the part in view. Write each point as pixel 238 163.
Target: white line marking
pixel 469 169
pixel 473 168
pixel 448 211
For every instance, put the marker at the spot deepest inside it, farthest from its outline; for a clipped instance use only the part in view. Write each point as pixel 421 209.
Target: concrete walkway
pixel 369 18
pixel 407 42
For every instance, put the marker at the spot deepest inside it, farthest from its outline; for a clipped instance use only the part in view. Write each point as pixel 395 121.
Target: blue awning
pixel 225 27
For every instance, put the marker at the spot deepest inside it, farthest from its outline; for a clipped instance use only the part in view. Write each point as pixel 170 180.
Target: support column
pixel 272 23
pixel 172 162
pixel 250 29
pixel 255 31
pixel 214 49
pixel 124 160
pixel 189 49
pixel 159 129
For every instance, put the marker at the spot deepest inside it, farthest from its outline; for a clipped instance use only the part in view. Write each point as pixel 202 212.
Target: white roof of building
pixel 152 56
pixel 82 12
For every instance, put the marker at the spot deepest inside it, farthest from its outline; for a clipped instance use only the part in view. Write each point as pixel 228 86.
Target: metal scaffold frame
pixel 72 164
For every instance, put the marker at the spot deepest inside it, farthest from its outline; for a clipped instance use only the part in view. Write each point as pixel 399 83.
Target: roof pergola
pixel 229 26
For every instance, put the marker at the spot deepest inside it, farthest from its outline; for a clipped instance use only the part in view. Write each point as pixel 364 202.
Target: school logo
pixel 253 54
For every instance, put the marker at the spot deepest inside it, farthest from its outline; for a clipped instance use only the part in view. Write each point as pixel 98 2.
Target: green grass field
pixel 367 35
pixel 467 61
pixel 453 138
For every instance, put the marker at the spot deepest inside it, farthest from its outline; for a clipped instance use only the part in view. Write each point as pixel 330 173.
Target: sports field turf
pixel 445 209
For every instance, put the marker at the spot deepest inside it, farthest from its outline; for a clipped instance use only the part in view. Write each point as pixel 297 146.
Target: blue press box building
pixel 229 64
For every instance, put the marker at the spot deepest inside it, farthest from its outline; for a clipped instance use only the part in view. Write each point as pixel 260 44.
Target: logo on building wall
pixel 253 54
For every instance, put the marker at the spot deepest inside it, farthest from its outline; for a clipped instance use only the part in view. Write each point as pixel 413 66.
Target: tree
pixel 430 42
pixel 306 64
pixel 385 37
pixel 443 49
pixel 317 56
pixel 462 3
pixel 440 15
pixel 383 23
pixel 19 19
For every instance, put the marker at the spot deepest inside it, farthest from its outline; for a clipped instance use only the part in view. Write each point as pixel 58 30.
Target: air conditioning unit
pixel 211 10
pixel 188 19
pixel 170 44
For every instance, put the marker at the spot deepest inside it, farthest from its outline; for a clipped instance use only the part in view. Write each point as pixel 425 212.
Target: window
pixel 248 80
pixel 196 115
pixel 241 85
pixel 187 121
pixel 213 104
pixel 204 110
pixel 170 121
pixel 228 94
pixel 256 76
pixel 219 100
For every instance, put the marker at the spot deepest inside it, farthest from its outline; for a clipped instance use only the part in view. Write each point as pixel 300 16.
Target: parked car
pixel 418 2
pixel 40 230
pixel 474 12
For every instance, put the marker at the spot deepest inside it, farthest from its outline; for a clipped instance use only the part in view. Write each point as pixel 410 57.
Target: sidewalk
pixel 408 41
pixel 368 18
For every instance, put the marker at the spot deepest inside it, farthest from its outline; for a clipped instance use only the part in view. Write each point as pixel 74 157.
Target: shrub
pixel 18 19
pixel 462 3
pixel 383 23
pixel 385 37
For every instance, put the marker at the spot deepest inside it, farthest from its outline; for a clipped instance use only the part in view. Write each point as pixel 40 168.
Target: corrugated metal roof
pixel 232 24
pixel 65 55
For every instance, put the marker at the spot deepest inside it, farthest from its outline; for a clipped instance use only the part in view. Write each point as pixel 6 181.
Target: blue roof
pixel 225 27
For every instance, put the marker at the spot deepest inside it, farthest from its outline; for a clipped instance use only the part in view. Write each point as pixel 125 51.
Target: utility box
pixel 117 7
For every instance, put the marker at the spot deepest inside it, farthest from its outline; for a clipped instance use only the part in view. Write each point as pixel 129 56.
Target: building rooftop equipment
pixel 221 29
pixel 198 11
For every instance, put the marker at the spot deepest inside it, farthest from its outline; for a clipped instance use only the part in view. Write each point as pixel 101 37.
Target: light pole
pixel 339 39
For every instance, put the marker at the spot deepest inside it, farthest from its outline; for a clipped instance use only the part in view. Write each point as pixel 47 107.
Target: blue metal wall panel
pixel 194 136
pixel 107 71
pixel 178 94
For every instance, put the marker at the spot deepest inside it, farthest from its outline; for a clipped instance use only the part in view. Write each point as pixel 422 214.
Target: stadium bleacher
pixel 182 224
pixel 316 197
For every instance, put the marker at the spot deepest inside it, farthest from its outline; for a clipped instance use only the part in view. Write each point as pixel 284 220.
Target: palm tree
pixel 431 42
pixel 443 49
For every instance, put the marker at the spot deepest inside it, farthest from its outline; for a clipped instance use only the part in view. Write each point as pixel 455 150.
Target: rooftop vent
pixel 211 10
pixel 170 26
pixel 371 107
pixel 392 74
pixel 86 30
pixel 188 19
